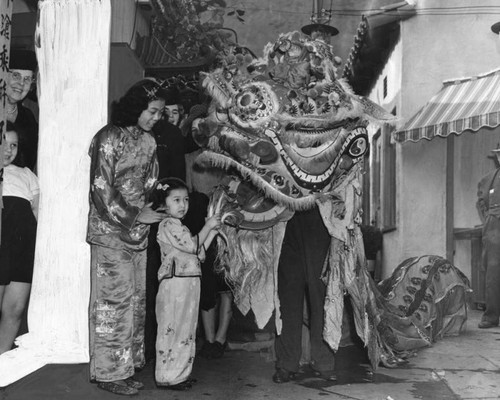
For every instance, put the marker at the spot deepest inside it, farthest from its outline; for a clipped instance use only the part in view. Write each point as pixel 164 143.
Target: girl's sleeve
pixel 33 184
pixel 107 199
pixel 178 236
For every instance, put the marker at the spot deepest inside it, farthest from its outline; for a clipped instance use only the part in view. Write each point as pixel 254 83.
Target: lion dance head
pixel 286 129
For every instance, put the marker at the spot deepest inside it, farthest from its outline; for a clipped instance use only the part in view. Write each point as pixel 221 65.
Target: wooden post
pixel 450 196
pixel 72 47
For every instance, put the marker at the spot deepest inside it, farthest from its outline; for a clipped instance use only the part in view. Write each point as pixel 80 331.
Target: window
pixel 384 180
pixel 375 210
pixel 389 181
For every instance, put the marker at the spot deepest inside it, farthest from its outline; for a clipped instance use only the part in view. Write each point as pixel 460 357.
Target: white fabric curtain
pixel 73 42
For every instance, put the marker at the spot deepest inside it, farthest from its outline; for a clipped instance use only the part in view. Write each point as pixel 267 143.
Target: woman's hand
pixel 149 216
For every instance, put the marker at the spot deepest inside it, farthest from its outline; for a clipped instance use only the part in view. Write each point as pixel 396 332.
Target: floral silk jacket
pixel 180 252
pixel 123 170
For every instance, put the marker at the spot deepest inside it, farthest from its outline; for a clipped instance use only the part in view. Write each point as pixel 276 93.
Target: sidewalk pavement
pixel 462 367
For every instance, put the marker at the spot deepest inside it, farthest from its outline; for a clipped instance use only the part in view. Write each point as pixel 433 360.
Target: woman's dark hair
pixel 21 138
pixel 126 111
pixel 163 189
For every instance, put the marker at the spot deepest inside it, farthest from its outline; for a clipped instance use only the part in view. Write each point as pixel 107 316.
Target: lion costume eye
pixel 253 104
pixel 358 146
pixel 283 46
pixel 246 100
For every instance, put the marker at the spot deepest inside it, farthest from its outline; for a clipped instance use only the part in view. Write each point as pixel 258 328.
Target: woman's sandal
pixel 115 388
pixel 131 382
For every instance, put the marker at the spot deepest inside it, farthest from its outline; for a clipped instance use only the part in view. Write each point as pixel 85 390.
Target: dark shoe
pixel 282 376
pixel 326 375
pixel 487 324
pixel 207 350
pixel 218 349
pixel 115 388
pixel 134 384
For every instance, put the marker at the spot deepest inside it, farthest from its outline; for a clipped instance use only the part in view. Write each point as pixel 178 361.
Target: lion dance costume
pixel 292 137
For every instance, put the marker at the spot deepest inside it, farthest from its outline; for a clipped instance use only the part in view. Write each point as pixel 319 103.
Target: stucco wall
pixel 442 47
pixel 462 45
pixel 472 162
pixel 435 48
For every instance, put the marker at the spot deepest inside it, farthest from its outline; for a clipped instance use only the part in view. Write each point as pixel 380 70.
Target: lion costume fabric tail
pixel 292 136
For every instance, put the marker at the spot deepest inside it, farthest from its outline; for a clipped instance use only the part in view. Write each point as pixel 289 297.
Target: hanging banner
pixel 5 31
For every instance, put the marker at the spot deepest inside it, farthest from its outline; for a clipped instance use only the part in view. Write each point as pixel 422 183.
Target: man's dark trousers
pixel 305 247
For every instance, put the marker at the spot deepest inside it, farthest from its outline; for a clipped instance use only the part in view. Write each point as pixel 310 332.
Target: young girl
pixel 17 250
pixel 179 292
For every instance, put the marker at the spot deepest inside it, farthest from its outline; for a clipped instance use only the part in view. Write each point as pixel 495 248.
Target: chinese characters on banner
pixel 5 31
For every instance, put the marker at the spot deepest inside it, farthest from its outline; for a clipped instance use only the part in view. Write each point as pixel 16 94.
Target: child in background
pixel 17 251
pixel 216 307
pixel 178 296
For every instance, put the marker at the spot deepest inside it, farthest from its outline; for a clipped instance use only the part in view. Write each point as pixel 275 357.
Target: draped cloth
pixel 72 38
pixel 424 299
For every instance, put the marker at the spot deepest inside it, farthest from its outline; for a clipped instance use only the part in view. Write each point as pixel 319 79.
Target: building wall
pixel 442 47
pixel 128 19
pixel 266 19
pixel 435 48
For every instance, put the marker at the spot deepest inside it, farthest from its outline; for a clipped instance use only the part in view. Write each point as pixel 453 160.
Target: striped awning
pixel 467 104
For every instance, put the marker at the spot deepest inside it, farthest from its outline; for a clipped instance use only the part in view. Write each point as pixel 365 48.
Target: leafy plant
pixel 191 29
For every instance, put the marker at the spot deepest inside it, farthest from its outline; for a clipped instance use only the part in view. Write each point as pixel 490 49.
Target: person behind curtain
pixel 216 298
pixel 178 296
pixel 17 250
pixel 21 77
pixel 216 305
pixel 488 205
pixel 123 171
pixel 216 301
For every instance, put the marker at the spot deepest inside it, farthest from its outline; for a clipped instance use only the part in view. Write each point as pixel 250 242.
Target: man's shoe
pixel 326 375
pixel 116 388
pixel 487 324
pixel 282 376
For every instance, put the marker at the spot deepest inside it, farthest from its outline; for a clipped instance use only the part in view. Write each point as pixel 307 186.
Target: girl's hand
pixel 149 216
pixel 213 222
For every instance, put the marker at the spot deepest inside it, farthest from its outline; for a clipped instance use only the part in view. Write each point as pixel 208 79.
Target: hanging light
pixel 320 18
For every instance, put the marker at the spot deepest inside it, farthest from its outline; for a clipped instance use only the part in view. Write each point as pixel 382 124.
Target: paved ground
pixel 464 367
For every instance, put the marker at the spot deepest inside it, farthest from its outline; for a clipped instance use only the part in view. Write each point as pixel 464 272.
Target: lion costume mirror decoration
pixel 291 136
